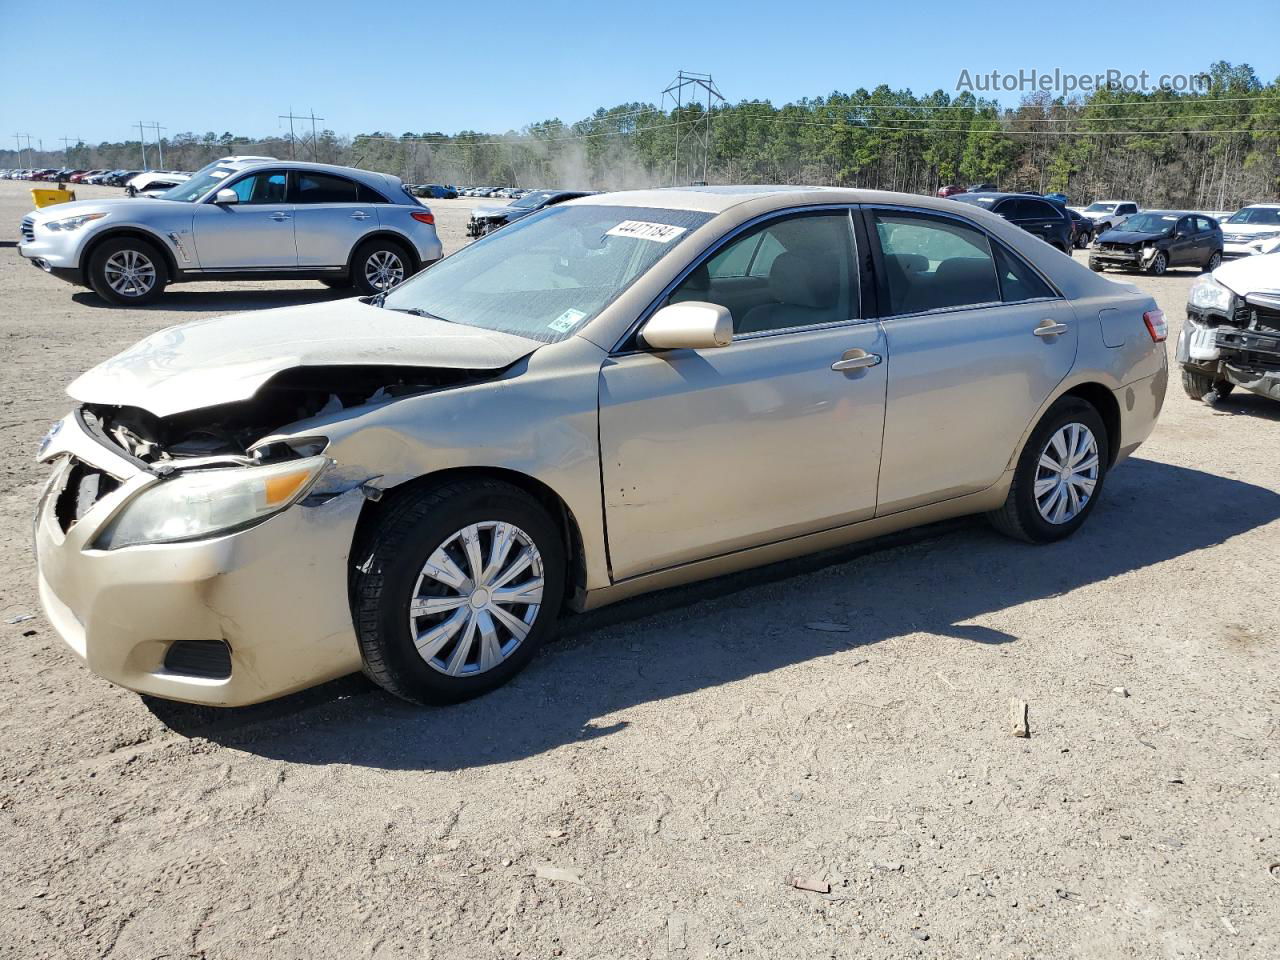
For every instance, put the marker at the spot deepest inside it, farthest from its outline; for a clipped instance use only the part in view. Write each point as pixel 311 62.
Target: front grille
pixel 84 486
pixel 1115 248
pixel 28 229
pixel 1262 318
pixel 208 659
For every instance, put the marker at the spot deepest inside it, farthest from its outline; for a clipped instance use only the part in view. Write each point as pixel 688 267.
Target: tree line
pixel 1216 149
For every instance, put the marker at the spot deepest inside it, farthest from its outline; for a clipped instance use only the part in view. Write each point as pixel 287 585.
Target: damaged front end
pixel 1233 338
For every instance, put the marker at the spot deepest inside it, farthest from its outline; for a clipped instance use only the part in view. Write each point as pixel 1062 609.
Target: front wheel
pixel 379 266
pixel 1197 385
pixel 127 272
pixel 1059 475
pixel 456 588
pixel 1095 266
pixel 1159 265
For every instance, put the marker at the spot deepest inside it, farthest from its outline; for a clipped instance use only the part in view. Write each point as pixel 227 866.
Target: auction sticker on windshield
pixel 644 230
pixel 567 320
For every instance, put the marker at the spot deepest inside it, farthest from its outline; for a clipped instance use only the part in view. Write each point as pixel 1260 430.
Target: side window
pixel 322 188
pixel 1204 224
pixel 265 187
pixel 368 195
pixel 933 263
pixel 1186 227
pixel 1018 281
pixel 793 272
pixel 1040 210
pixel 1010 209
pixel 1127 209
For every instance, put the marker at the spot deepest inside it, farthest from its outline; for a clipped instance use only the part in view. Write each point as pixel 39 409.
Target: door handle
pixel 856 360
pixel 1047 328
pixel 279 217
pixel 359 215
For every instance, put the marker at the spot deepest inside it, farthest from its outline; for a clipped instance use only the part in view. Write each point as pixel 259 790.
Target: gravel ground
pixel 656 780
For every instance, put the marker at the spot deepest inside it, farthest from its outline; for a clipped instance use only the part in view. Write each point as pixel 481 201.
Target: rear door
pixel 704 452
pixel 254 234
pixel 331 217
pixel 977 340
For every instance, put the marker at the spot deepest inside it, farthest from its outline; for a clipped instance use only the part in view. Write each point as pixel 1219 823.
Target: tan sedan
pixel 621 393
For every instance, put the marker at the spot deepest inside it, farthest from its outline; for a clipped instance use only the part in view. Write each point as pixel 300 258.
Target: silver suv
pixel 239 218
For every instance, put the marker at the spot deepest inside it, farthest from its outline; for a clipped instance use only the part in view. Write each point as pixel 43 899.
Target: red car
pixel 950 190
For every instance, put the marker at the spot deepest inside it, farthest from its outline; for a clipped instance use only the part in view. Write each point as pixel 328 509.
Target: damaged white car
pixel 621 393
pixel 1232 334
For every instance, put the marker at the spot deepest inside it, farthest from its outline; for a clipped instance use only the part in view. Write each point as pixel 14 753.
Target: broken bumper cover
pixel 1248 357
pixel 275 594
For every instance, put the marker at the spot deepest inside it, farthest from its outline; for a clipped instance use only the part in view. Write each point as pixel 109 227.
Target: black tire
pixel 337 283
pixel 1020 517
pixel 373 250
pixel 1095 266
pixel 1197 385
pixel 1214 263
pixel 1159 265
pixel 110 254
pixel 387 567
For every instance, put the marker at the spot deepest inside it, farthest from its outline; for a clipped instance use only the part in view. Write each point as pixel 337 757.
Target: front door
pixel 977 342
pixel 709 451
pixel 254 234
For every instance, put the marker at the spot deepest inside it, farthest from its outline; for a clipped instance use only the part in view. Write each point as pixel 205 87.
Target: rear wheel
pixel 1059 475
pixel 379 266
pixel 127 271
pixel 1214 262
pixel 456 589
pixel 1198 385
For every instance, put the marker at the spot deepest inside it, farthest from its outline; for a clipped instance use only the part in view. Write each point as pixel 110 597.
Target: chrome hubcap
pixel 383 270
pixel 1067 473
pixel 130 273
pixel 477 598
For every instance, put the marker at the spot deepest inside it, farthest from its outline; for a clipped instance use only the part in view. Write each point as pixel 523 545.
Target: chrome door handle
pixel 857 362
pixel 1048 328
pixel 279 217
pixel 359 215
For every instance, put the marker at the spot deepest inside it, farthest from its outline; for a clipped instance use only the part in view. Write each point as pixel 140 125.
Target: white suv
pixel 1252 230
pixel 1109 214
pixel 239 218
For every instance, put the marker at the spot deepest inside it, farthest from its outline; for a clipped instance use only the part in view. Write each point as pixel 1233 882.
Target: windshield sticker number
pixel 644 230
pixel 567 320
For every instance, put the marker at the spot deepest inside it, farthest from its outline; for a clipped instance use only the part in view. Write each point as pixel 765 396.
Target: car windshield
pixel 1151 223
pixel 201 183
pixel 1267 216
pixel 1100 208
pixel 532 199
pixel 547 274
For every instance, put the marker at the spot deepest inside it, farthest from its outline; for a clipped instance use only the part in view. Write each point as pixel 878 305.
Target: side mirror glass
pixel 226 195
pixel 691 325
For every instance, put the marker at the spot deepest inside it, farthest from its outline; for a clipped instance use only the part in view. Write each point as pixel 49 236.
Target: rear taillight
pixel 424 217
pixel 1154 319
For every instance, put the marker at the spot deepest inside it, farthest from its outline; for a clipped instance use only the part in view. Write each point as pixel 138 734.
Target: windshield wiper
pixel 418 312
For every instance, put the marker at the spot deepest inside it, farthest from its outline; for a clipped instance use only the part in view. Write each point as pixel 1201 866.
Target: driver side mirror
pixel 226 195
pixel 691 325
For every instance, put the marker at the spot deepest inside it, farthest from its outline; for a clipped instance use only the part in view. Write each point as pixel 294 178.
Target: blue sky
pixel 94 68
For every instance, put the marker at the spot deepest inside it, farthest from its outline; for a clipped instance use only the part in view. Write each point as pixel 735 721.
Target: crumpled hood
pixel 1130 237
pixel 1251 275
pixel 225 359
pixel 480 212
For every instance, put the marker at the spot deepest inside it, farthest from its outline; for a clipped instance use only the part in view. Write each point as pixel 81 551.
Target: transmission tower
pixel 686 92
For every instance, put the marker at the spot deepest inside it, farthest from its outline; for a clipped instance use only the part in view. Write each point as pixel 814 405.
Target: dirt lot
pixel 691 753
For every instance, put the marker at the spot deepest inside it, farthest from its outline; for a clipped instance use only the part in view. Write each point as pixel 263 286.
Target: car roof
pixel 369 177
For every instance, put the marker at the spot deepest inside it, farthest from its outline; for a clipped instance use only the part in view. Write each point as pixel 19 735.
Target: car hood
pixel 490 211
pixel 1251 275
pixel 1130 236
pixel 60 211
pixel 1249 229
pixel 210 362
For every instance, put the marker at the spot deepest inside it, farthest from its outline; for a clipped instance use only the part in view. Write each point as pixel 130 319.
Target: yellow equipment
pixel 47 198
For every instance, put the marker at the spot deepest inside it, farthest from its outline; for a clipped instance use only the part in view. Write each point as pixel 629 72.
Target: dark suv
pixel 1035 215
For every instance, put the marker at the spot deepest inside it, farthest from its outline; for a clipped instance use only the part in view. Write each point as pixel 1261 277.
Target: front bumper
pixel 51 252
pixel 275 594
pixel 1244 248
pixel 1246 357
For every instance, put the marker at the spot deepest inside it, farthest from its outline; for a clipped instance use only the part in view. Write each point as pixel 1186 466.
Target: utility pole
pixel 142 140
pixel 17 138
pixel 291 116
pixel 700 132
pixel 159 143
pixel 66 147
